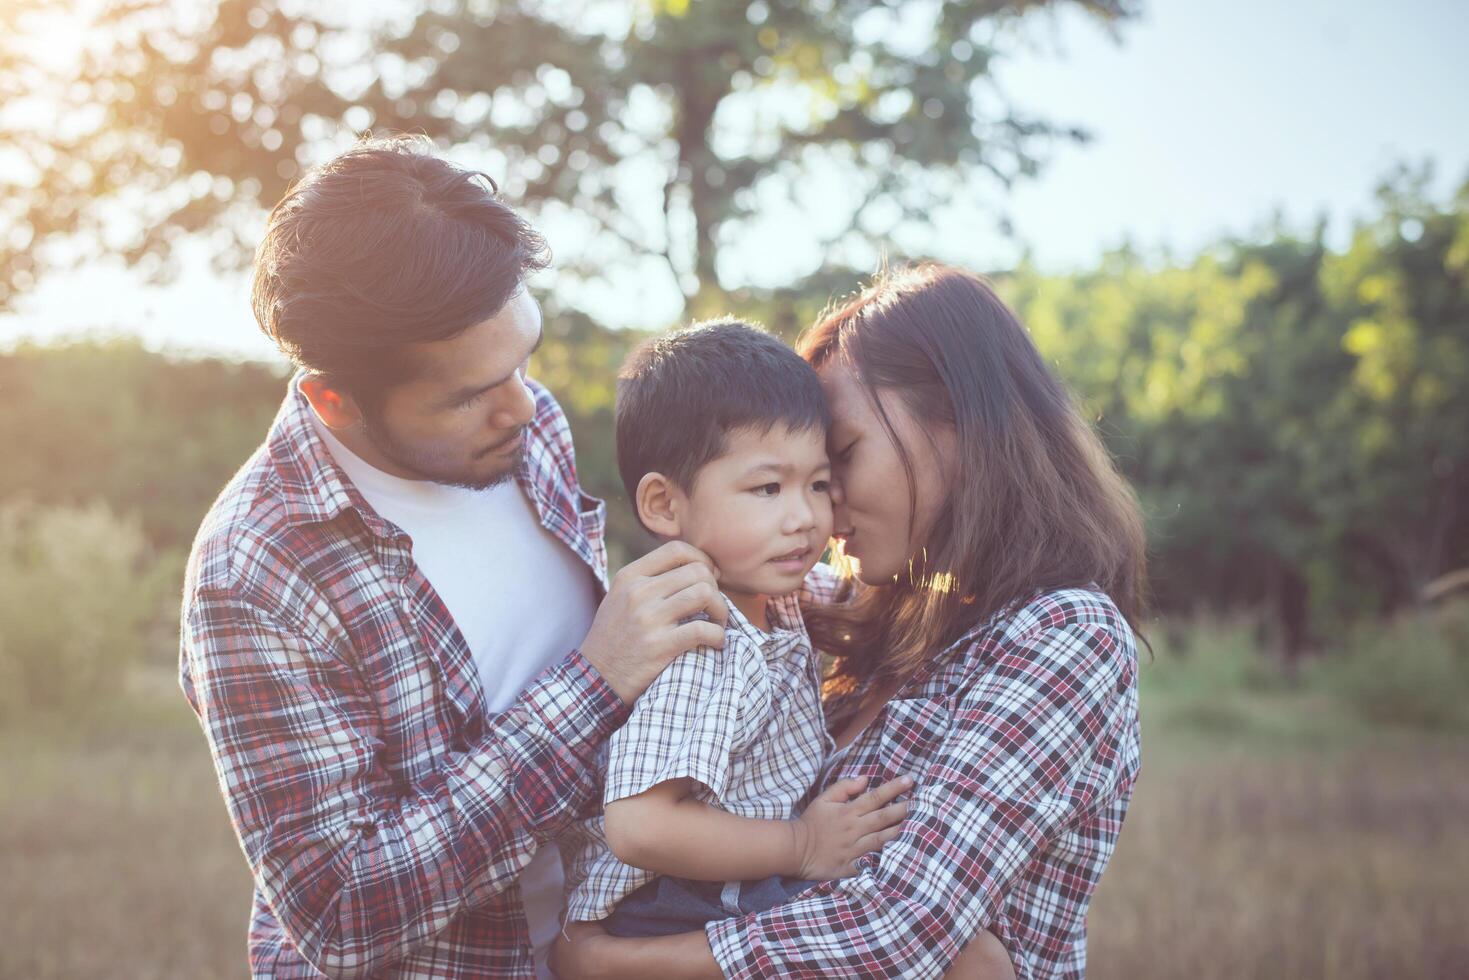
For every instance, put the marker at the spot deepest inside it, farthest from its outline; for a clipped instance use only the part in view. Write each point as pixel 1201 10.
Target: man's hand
pixel 840 826
pixel 641 626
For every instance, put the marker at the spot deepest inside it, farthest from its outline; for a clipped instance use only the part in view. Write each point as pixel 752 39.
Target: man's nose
pixel 518 406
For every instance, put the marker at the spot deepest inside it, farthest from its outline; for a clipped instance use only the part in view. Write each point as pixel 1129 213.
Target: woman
pixel 988 652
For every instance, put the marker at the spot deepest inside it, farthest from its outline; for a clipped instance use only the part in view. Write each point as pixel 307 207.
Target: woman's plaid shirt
pixel 1023 739
pixel 384 814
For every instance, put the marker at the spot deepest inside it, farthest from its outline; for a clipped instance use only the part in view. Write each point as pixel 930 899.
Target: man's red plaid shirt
pixel 384 814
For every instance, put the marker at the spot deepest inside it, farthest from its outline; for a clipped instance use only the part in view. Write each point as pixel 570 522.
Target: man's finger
pixel 701 597
pixel 885 794
pixel 666 557
pixel 698 634
pixel 675 580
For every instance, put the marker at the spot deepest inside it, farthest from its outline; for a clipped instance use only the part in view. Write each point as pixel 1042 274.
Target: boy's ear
pixel 335 408
pixel 658 505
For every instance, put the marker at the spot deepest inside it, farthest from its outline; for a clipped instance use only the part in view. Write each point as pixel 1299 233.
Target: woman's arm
pixel 1036 738
pixel 586 952
pixel 668 831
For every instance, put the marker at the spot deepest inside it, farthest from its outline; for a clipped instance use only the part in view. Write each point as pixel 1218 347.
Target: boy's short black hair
pixel 680 394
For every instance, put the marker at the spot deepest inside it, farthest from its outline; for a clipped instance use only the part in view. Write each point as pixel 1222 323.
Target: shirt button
pixel 400 569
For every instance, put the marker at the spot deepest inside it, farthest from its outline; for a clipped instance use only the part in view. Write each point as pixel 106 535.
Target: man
pixel 391 625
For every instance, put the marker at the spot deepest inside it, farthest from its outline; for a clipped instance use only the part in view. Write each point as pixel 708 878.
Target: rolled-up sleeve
pixel 357 867
pixel 1030 744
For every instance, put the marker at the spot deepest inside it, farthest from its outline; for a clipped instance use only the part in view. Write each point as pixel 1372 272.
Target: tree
pixel 1293 417
pixel 664 128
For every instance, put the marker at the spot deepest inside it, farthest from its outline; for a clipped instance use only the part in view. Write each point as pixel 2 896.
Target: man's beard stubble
pixel 431 466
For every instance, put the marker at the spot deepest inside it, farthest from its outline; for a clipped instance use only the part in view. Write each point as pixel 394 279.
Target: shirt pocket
pixel 912 731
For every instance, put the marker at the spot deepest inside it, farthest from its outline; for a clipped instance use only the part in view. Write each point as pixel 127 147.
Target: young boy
pixel 721 442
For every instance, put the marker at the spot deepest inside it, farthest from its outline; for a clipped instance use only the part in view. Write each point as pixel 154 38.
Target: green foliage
pixel 661 128
pixel 1293 418
pixel 153 437
pixel 81 590
pixel 1212 675
pixel 1412 671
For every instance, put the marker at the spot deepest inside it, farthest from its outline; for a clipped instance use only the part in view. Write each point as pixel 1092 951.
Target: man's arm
pixel 358 867
pixel 667 830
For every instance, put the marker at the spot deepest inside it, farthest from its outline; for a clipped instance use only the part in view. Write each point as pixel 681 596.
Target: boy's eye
pixel 821 486
pixel 767 490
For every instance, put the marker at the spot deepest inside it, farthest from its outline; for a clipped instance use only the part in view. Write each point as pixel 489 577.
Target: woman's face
pixel 871 502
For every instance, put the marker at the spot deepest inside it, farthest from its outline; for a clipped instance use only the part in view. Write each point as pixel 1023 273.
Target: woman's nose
pixel 838 495
pixel 837 492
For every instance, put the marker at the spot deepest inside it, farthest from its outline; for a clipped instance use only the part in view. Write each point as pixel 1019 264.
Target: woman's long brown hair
pixel 1035 503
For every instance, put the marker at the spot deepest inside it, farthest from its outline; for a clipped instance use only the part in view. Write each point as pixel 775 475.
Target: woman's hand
pixel 574 954
pixel 985 958
pixel 584 951
pixel 843 823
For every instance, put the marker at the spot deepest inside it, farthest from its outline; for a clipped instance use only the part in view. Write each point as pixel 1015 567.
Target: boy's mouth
pixel 792 558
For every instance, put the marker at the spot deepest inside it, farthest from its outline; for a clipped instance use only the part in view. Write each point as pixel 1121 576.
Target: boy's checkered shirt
pixel 745 722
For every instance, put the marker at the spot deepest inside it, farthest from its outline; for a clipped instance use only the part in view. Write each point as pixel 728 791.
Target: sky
pixel 1209 117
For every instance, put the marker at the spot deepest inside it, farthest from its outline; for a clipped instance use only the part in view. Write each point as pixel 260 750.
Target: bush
pixel 1412 671
pixel 79 591
pixel 1205 656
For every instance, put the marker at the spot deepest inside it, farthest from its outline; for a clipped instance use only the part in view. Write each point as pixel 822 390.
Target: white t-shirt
pixel 520 597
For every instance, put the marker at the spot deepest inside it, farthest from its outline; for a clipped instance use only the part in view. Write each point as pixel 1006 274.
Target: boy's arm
pixel 668 831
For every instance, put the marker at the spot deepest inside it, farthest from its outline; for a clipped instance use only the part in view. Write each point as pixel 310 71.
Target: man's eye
pixel 767 490
pixel 842 454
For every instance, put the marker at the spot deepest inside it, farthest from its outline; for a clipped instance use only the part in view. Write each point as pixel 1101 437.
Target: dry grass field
pixel 1258 845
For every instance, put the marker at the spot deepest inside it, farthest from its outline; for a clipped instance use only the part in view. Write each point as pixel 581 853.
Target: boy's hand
pixel 644 621
pixel 844 823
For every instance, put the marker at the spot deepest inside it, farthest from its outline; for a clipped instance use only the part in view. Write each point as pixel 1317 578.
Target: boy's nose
pixel 801 516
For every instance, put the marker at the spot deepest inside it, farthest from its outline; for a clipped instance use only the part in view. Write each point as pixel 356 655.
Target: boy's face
pixel 762 511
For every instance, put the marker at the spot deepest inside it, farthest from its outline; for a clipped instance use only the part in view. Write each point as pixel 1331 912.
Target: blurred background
pixel 1239 230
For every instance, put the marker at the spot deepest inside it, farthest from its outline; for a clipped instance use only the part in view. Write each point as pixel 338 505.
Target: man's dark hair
pixel 384 246
pixel 681 394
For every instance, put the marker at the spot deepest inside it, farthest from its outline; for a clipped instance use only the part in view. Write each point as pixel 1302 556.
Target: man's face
pixel 461 420
pixel 762 511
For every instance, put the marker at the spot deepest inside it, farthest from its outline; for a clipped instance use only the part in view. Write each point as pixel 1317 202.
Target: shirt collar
pixel 313 487
pixel 784 614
